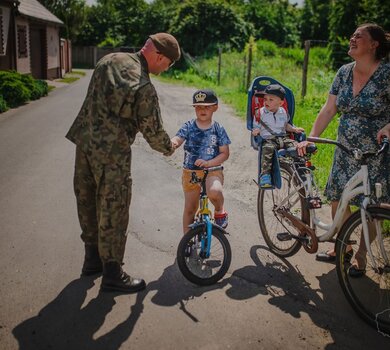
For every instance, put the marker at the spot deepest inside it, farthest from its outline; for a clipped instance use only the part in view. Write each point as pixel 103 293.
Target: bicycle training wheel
pixel 193 263
pixel 272 223
pixel 369 293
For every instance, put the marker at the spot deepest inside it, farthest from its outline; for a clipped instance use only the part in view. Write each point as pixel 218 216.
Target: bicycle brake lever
pixel 385 145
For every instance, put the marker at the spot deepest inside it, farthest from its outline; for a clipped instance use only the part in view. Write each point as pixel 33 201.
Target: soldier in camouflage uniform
pixel 120 102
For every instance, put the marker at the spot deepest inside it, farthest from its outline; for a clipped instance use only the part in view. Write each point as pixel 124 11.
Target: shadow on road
pixel 66 324
pixel 291 293
pixel 173 289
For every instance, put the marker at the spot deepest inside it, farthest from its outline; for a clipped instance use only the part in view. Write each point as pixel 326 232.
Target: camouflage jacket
pixel 120 102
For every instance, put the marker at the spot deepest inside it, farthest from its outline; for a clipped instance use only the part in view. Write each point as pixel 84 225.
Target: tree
pixel 315 20
pixel 71 12
pixel 274 20
pixel 114 23
pixel 375 11
pixel 158 16
pixel 346 15
pixel 203 26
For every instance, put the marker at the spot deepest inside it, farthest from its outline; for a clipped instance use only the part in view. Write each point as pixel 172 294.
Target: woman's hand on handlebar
pixel 301 147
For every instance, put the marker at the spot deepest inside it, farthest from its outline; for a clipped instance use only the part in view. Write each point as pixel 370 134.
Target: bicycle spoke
pixel 369 293
pixel 194 264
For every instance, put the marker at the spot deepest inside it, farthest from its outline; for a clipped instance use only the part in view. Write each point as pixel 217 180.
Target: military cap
pixel 167 45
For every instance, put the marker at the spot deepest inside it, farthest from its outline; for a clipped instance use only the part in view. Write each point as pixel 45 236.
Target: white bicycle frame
pixel 358 184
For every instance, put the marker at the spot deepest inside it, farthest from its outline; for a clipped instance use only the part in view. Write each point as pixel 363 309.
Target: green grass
pixel 78 72
pixel 68 79
pixel 283 64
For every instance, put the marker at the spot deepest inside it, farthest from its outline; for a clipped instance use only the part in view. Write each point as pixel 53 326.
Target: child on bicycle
pixel 271 123
pixel 206 145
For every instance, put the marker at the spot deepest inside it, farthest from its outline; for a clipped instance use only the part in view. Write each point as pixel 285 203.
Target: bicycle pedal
pixel 314 202
pixel 284 236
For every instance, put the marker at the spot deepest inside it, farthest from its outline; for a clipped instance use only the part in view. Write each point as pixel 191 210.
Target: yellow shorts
pixel 186 178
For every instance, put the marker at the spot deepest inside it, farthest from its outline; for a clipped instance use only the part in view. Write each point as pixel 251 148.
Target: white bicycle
pixel 364 235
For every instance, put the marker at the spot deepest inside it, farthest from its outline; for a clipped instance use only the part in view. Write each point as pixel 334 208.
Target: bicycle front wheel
pixel 369 293
pixel 271 223
pixel 193 263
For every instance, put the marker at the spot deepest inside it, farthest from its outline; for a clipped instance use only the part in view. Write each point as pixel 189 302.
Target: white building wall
pixel 53 48
pixel 22 64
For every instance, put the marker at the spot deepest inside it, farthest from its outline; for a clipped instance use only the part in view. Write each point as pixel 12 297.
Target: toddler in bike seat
pixel 271 123
pixel 206 145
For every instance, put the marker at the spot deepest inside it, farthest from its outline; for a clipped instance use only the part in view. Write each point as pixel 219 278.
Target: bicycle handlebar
pixel 357 153
pixel 213 168
pixel 328 141
pixel 195 179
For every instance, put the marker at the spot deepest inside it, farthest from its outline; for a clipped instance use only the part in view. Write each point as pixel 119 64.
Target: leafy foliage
pixel 203 26
pixel 275 20
pixel 315 20
pixel 16 89
pixel 38 88
pixel 3 104
pixel 71 12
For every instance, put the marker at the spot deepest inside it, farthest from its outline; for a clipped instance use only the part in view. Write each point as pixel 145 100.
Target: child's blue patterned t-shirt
pixel 201 143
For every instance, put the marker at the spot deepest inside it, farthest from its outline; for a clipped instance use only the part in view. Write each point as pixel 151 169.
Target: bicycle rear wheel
pixel 194 265
pixel 369 295
pixel 271 223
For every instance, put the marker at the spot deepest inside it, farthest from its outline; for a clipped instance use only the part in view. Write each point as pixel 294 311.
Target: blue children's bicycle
pixel 204 254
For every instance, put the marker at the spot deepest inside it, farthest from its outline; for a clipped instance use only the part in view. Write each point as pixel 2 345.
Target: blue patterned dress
pixel 361 118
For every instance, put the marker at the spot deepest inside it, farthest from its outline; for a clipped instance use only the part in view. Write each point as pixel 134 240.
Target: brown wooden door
pixel 37 50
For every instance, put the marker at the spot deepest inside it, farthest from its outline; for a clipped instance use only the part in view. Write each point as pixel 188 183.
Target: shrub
pixel 17 88
pixel 266 48
pixel 42 86
pixel 3 104
pixel 294 54
pixel 15 93
pixel 30 84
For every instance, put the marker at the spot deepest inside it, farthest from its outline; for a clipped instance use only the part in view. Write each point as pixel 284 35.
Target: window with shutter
pixel 22 41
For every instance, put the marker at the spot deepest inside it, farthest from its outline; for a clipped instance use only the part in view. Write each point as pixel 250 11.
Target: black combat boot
pixel 92 263
pixel 116 280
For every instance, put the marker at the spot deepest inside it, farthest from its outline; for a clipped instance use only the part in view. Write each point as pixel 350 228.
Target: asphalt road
pixel 262 303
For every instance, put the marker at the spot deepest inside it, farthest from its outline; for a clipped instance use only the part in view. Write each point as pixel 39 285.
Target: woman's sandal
pixel 326 257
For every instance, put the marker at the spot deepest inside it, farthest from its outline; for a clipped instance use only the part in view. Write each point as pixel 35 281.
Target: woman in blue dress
pixel 361 93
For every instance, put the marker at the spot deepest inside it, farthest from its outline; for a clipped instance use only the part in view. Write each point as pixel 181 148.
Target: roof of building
pixel 34 9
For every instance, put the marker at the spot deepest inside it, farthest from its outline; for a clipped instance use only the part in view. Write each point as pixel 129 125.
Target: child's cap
pixel 204 98
pixel 275 89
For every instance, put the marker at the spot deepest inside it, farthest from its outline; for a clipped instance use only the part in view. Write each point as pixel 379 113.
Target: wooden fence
pixel 88 56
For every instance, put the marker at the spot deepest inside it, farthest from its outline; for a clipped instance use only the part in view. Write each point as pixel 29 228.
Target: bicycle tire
pixel 271 225
pixel 369 295
pixel 204 271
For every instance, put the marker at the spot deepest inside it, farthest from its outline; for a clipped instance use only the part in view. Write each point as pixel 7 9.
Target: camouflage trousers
pixel 268 148
pixel 103 194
